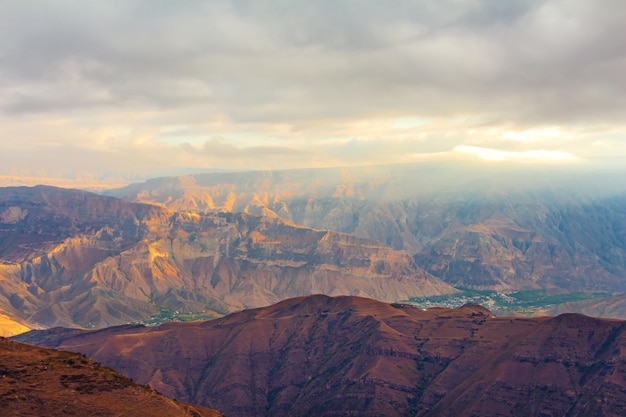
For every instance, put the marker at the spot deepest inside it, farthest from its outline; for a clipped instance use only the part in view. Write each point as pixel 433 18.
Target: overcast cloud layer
pixel 138 88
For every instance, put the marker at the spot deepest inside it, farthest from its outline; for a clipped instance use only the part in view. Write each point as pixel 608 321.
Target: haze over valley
pixel 484 228
pixel 204 245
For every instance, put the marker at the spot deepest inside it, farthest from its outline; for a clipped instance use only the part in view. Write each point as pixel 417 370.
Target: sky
pixel 128 89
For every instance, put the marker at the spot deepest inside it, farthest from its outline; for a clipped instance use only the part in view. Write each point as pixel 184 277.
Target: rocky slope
pixel 353 356
pixel 500 229
pixel 76 258
pixel 45 382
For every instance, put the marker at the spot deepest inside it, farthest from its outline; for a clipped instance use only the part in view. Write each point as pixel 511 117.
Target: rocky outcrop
pixel 75 258
pixel 353 356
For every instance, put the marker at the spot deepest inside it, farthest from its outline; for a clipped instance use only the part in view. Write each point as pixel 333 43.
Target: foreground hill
pixel 483 228
pixel 45 382
pixel 327 356
pixel 75 258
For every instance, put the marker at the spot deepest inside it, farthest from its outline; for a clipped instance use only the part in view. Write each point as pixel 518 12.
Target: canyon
pixel 75 258
pixel 482 228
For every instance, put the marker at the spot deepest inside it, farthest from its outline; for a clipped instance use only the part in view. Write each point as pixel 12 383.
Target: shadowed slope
pixel 348 355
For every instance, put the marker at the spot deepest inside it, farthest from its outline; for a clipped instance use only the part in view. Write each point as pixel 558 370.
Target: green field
pixel 165 315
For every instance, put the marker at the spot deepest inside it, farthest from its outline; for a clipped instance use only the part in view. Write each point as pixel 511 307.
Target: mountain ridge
pixel 320 355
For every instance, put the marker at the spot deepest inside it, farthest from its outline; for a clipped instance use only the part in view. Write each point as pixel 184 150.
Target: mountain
pixel 610 307
pixel 9 326
pixel 38 382
pixel 75 258
pixel 325 356
pixel 501 229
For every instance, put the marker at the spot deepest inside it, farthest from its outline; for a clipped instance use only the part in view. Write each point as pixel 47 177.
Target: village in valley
pixel 525 302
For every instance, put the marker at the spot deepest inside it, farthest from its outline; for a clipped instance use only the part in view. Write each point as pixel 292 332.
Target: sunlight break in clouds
pixel 534 135
pixel 534 156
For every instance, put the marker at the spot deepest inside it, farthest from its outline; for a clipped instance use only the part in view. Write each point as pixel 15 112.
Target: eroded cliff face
pixel 66 264
pixel 488 230
pixel 352 356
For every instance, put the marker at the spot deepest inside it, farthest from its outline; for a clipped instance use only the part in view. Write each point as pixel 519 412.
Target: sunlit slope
pixel 11 327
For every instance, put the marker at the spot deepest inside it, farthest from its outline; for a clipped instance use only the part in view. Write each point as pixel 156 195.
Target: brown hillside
pixel 44 382
pixel 353 356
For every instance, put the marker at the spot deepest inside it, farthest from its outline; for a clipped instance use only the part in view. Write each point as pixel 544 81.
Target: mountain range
pixel 305 276
pixel 205 245
pixel 326 356
pixel 75 258
pixel 502 229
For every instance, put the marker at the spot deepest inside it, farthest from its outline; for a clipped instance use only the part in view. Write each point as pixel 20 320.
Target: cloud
pixel 324 82
pixel 533 156
pixel 219 149
pixel 533 135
